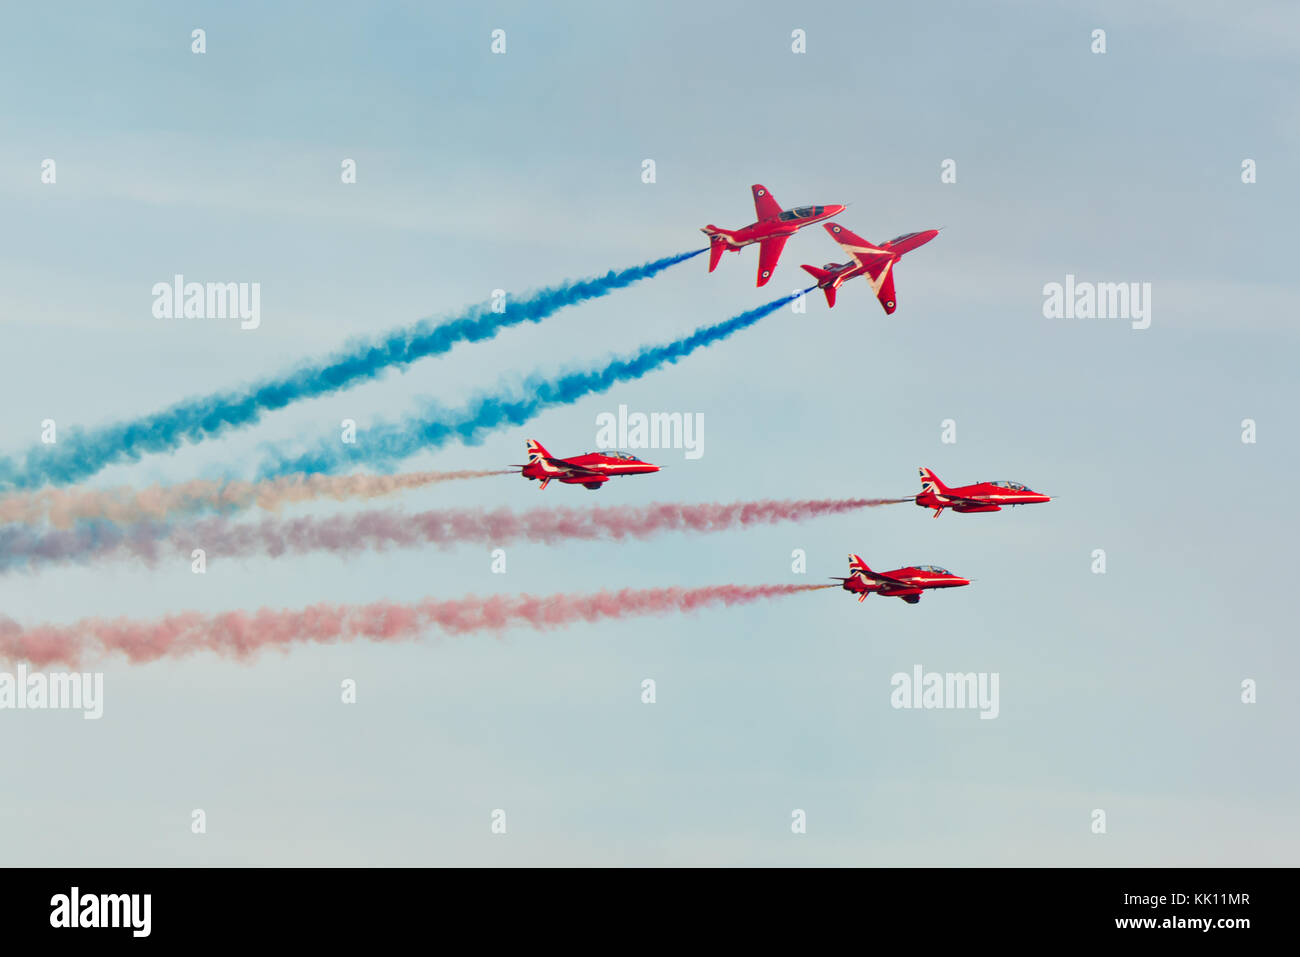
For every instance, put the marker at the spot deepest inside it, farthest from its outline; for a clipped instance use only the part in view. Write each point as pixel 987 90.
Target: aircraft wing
pixel 873 258
pixel 573 469
pixel 769 251
pixel 764 205
pixel 884 579
pixel 883 284
pixel 963 500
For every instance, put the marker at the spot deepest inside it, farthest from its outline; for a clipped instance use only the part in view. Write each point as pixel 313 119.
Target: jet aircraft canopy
pixel 801 212
pixel 616 455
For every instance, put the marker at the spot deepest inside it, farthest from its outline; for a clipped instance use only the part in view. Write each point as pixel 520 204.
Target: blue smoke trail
pixel 383 445
pixel 85 452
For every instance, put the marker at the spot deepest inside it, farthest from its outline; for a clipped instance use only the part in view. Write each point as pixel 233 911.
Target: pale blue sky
pixel 479 171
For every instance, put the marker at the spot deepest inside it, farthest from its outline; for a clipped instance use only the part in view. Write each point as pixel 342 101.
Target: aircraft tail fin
pixel 856 564
pixel 536 452
pixel 719 240
pixel 930 482
pixel 821 275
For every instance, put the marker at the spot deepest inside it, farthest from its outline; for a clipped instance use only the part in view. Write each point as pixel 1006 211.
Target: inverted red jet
pixel 874 262
pixel 905 583
pixel 980 497
pixel 773 228
pixel 590 471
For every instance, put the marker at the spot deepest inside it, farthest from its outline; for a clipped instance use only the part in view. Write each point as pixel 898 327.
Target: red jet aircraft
pixel 905 583
pixel 773 228
pixel 980 497
pixel 874 262
pixel 590 471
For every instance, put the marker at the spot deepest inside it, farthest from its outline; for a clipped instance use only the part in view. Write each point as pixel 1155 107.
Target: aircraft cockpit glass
pixel 801 212
pixel 1015 486
pixel 933 569
pixel 613 454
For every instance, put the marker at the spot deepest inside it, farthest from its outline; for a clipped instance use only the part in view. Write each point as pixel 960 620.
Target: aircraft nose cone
pixel 835 209
pixel 958 582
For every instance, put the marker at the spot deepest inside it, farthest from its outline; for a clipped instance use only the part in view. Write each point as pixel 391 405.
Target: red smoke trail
pixel 63 507
pixel 344 534
pixel 241 634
